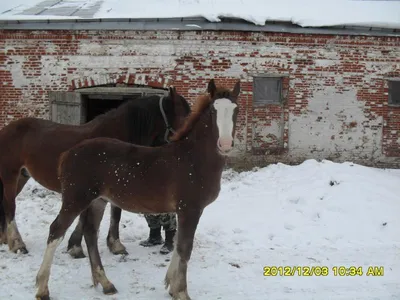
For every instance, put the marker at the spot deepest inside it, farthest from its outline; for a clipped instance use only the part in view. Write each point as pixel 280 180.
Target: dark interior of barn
pixel 95 106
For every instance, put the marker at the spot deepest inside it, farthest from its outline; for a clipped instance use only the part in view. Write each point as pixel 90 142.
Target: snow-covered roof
pixel 305 13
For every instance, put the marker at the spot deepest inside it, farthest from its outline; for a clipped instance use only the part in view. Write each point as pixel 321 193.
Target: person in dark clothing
pixel 155 222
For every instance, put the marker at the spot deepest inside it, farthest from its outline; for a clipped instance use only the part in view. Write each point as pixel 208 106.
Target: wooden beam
pixel 121 91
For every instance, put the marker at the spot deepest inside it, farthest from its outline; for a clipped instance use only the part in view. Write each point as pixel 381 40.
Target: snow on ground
pixel 314 214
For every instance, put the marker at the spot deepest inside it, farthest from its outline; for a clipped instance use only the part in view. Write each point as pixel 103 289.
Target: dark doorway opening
pixel 96 105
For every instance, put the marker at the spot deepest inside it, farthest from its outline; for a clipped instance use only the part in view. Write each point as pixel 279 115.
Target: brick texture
pixel 335 88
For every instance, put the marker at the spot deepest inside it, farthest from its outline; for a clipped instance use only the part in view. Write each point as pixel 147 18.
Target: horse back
pixel 158 177
pixel 36 144
pixel 13 136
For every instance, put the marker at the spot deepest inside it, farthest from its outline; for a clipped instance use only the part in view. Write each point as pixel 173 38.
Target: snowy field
pixel 317 214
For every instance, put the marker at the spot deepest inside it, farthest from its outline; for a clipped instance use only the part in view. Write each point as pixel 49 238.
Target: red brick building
pixel 331 92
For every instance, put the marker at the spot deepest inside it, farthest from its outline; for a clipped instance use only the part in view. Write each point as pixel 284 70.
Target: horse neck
pixel 203 137
pixel 106 125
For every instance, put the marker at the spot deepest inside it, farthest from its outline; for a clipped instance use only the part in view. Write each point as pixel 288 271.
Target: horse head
pixel 224 109
pixel 174 108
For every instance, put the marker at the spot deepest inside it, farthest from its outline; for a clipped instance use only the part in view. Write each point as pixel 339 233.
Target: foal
pixel 182 177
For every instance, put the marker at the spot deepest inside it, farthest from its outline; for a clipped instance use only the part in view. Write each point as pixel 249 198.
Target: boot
pixel 169 242
pixel 154 238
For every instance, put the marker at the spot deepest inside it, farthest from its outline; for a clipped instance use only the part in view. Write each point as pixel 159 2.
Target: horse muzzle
pixel 225 145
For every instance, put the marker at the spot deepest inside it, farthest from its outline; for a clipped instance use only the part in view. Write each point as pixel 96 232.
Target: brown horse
pixel 182 177
pixel 30 147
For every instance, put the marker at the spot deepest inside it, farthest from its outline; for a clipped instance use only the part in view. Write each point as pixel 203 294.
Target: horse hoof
pixel 43 297
pixel 21 250
pixel 181 296
pixel 111 290
pixel 78 256
pixel 120 252
pixel 3 239
pixel 116 247
pixel 76 252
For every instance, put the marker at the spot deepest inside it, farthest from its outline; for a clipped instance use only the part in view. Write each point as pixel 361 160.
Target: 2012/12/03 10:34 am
pixel 323 271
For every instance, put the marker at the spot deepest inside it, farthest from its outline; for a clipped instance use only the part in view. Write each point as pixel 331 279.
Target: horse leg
pixel 68 213
pixel 75 241
pixel 11 186
pixel 3 227
pixel 177 270
pixel 113 241
pixel 3 224
pixel 92 221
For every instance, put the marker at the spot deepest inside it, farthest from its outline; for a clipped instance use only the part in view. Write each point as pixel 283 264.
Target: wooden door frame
pixel 66 106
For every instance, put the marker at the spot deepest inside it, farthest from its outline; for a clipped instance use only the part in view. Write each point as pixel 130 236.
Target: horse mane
pixel 198 108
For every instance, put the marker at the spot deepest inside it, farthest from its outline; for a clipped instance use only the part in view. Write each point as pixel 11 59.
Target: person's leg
pixel 153 221
pixel 168 221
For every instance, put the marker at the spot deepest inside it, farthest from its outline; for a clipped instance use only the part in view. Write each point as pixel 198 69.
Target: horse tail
pixel 2 212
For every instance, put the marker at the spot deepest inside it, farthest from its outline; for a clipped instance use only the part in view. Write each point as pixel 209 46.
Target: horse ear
pixel 172 92
pixel 236 89
pixel 212 88
pixel 173 95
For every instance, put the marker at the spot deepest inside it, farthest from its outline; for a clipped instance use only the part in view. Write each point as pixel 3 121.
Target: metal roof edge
pixel 188 24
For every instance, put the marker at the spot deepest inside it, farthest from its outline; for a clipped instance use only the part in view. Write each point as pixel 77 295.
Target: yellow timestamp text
pixel 323 271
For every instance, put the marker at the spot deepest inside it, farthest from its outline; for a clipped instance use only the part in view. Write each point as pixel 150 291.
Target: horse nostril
pixel 225 145
pixel 219 144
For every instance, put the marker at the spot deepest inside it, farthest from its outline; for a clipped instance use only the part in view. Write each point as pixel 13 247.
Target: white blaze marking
pixel 225 109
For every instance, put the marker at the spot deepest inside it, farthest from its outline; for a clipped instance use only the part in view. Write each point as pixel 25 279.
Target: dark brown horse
pixel 182 177
pixel 30 147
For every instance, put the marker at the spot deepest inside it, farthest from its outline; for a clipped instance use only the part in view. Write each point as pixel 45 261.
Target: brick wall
pixel 335 90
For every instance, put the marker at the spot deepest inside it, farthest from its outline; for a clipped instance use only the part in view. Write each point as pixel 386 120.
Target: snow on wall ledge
pixel 335 87
pixel 306 13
